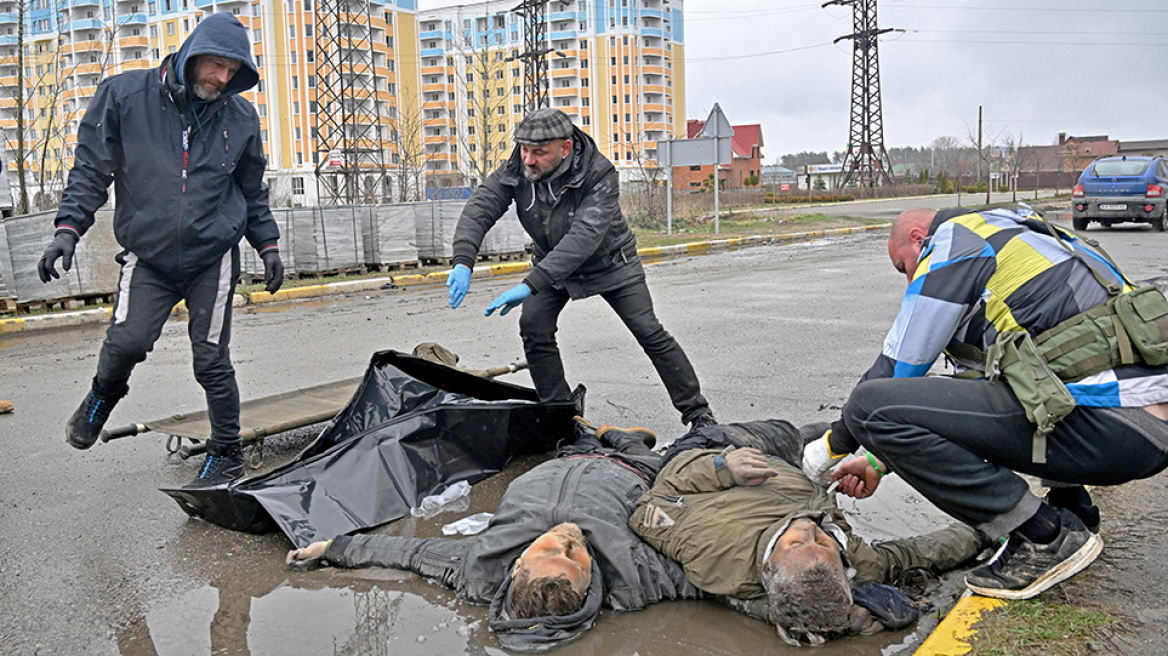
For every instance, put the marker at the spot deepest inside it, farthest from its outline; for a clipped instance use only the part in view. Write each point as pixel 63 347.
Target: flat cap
pixel 543 125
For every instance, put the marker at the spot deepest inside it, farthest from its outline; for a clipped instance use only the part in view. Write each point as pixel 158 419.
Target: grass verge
pixel 1040 626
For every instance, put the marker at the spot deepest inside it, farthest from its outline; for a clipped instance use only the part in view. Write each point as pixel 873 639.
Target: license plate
pixel 1113 207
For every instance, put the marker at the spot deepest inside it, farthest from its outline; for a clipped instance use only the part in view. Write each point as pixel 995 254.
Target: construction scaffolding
pixel 866 161
pixel 355 110
pixel 533 13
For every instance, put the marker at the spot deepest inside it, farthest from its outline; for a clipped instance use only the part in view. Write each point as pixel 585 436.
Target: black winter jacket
pixel 177 217
pixel 585 245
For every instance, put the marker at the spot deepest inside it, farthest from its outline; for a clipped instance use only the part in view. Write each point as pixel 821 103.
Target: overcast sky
pixel 1038 67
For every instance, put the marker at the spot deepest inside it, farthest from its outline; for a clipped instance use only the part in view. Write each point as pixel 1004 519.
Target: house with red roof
pixel 746 145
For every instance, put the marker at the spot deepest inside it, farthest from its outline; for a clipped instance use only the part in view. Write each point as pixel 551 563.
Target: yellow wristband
pixel 827 442
pixel 872 461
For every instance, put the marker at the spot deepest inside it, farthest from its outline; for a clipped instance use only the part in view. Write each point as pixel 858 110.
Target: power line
pixel 703 60
pixel 1095 10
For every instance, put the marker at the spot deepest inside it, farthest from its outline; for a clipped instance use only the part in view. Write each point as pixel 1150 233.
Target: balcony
pixel 559 73
pixel 85 24
pixel 565 92
pixel 135 64
pixel 433 70
pixel 436 122
pixel 84 3
pixel 134 42
pixel 131 20
pixel 652 107
pixel 652 70
pixel 652 52
pixel 9 19
pixel 652 88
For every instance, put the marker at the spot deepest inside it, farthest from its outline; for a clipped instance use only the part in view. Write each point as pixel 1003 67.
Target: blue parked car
pixel 1117 189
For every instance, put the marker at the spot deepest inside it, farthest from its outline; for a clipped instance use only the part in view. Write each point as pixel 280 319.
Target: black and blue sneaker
pixel 224 464
pixel 85 425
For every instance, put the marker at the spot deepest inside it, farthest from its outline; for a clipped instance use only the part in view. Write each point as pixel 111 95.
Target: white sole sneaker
pixel 1078 561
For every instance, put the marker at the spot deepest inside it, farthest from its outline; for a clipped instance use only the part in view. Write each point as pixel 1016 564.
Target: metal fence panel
pixel 391 235
pixel 94 270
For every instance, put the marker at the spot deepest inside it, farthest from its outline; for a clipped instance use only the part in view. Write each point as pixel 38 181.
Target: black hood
pixel 222 35
pixel 535 634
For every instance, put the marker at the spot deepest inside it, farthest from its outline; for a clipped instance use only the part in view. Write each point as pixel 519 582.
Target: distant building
pixel 779 175
pixel 746 145
pixel 1150 148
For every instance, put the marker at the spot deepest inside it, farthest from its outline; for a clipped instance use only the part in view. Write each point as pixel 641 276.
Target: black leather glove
pixel 273 271
pixel 64 243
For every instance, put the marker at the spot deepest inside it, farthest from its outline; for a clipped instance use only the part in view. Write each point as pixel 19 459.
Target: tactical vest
pixel 1129 328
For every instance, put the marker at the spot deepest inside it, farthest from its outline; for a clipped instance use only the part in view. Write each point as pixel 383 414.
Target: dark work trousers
pixel 632 303
pixel 144 302
pixel 776 437
pixel 960 442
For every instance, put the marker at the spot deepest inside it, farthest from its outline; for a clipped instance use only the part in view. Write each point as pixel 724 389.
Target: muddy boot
pixel 224 464
pixel 622 439
pixel 84 426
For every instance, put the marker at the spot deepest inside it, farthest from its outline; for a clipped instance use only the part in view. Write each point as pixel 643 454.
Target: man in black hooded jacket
pixel 567 195
pixel 185 156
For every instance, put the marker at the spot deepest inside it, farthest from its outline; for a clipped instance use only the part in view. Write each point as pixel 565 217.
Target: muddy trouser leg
pixel 143 304
pixel 960 442
pixel 939 551
pixel 209 327
pixel 634 306
pixel 537 327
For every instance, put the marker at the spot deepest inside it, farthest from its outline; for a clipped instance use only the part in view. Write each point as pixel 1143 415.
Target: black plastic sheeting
pixel 412 428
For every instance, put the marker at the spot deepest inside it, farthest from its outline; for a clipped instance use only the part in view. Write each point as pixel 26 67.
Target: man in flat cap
pixel 568 198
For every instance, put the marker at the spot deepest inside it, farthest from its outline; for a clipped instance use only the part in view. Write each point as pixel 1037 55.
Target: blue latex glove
pixel 509 300
pixel 458 280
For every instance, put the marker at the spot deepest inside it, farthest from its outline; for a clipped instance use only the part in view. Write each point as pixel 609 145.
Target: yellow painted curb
pixel 952 635
pixel 412 279
pixel 509 268
pixel 11 325
pixel 290 293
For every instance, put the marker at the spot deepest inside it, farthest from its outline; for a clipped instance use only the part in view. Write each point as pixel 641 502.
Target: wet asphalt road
pixel 99 562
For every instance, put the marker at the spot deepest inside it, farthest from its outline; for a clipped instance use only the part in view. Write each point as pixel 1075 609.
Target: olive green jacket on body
pixel 720 531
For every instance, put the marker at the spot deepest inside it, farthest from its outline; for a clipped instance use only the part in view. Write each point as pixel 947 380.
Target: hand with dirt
pixel 748 466
pixel 857 478
pixel 307 557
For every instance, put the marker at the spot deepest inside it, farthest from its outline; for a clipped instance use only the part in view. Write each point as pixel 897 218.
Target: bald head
pixel 904 242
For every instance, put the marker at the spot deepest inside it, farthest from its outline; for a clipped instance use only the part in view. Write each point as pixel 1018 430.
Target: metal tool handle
pixel 125 431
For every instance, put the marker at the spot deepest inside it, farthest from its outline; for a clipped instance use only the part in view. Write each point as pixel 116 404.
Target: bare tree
pixel 647 204
pixel 17 57
pixel 484 88
pixel 406 138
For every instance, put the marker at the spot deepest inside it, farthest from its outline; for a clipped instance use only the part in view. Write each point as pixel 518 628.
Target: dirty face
pixel 803 545
pixel 211 74
pixel 541 160
pixel 561 551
